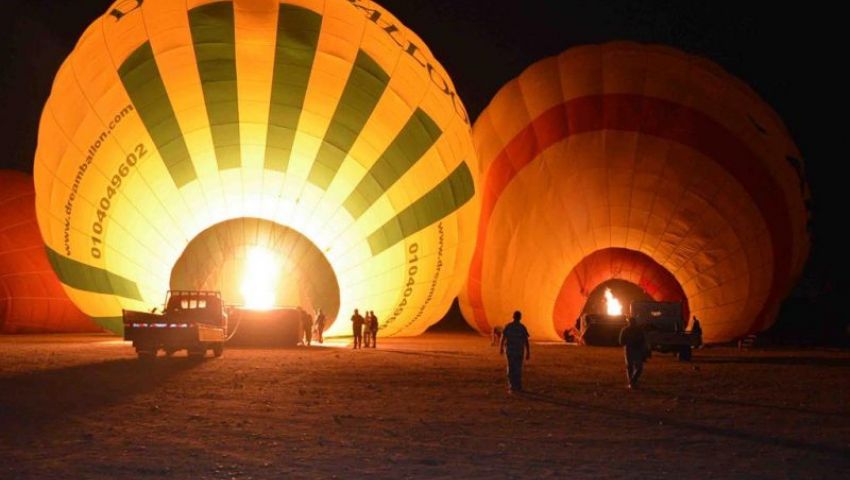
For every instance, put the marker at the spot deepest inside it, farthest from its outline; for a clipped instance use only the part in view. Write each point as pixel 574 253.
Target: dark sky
pixel 789 54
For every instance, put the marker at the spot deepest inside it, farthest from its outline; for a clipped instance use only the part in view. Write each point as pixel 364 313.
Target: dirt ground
pixel 430 407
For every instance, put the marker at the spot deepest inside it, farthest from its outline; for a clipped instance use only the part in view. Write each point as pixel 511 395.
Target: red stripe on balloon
pixel 638 114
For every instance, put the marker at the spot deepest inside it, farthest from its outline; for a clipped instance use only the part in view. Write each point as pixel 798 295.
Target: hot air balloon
pixel 638 164
pixel 276 151
pixel 31 298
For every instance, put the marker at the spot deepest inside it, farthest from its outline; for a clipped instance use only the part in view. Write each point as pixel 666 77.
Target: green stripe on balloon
pixel 91 279
pixel 144 85
pixel 415 138
pixel 113 324
pixel 214 39
pixel 363 89
pixel 449 195
pixel 297 38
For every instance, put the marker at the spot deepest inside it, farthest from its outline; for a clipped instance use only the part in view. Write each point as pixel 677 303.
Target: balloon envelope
pixel 330 119
pixel 31 298
pixel 639 163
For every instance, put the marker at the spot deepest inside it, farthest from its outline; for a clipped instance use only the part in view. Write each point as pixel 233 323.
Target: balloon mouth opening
pixel 259 265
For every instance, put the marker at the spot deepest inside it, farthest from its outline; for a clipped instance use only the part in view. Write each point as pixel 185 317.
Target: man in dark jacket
pixel 633 340
pixel 515 338
pixel 357 321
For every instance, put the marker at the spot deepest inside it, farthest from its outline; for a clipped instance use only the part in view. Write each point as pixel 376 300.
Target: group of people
pixel 310 328
pixel 365 329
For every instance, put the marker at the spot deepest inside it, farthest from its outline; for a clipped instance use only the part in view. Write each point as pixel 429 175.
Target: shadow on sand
pixel 33 402
pixel 814 361
pixel 428 353
pixel 739 403
pixel 841 452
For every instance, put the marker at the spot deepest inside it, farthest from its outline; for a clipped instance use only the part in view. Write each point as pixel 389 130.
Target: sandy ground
pixel 430 407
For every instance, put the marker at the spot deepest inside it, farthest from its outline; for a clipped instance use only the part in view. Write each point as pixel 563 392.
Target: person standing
pixel 367 330
pixel 357 327
pixel 696 331
pixel 307 325
pixel 320 325
pixel 496 336
pixel 633 340
pixel 515 345
pixel 373 328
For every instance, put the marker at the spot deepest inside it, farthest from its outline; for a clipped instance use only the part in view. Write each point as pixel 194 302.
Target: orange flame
pixel 614 305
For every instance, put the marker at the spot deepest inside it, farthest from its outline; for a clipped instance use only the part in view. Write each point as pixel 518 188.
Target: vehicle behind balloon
pixel 665 328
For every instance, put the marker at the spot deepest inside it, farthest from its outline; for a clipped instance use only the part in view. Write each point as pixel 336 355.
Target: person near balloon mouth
pixel 514 344
pixel 357 321
pixel 633 340
pixel 307 325
pixel 372 325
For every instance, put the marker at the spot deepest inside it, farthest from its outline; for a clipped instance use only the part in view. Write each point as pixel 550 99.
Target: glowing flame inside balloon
pixel 614 305
pixel 260 279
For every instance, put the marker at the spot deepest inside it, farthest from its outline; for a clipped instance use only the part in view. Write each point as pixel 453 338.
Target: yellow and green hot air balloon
pixel 299 151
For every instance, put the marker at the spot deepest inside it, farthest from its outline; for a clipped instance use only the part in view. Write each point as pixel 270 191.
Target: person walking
pixel 515 345
pixel 357 327
pixel 633 340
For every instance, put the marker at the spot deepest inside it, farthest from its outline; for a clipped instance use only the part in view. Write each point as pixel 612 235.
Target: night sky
pixel 788 54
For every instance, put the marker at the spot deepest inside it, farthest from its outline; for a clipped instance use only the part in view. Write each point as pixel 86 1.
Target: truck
pixel 663 323
pixel 191 320
pixel 665 328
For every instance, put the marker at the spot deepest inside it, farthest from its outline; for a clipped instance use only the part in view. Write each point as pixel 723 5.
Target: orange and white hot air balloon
pixel 31 298
pixel 641 164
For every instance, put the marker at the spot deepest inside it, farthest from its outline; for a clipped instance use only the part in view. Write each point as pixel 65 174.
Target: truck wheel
pixel 218 350
pixel 146 355
pixel 197 352
pixel 685 354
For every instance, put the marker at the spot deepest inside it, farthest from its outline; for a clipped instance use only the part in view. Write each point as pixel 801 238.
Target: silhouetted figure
pixel 320 325
pixel 633 340
pixel 367 329
pixel 373 328
pixel 515 341
pixel 696 329
pixel 357 327
pixel 496 336
pixel 306 325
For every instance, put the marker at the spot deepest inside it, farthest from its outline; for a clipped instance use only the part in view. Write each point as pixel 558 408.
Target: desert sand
pixel 83 407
